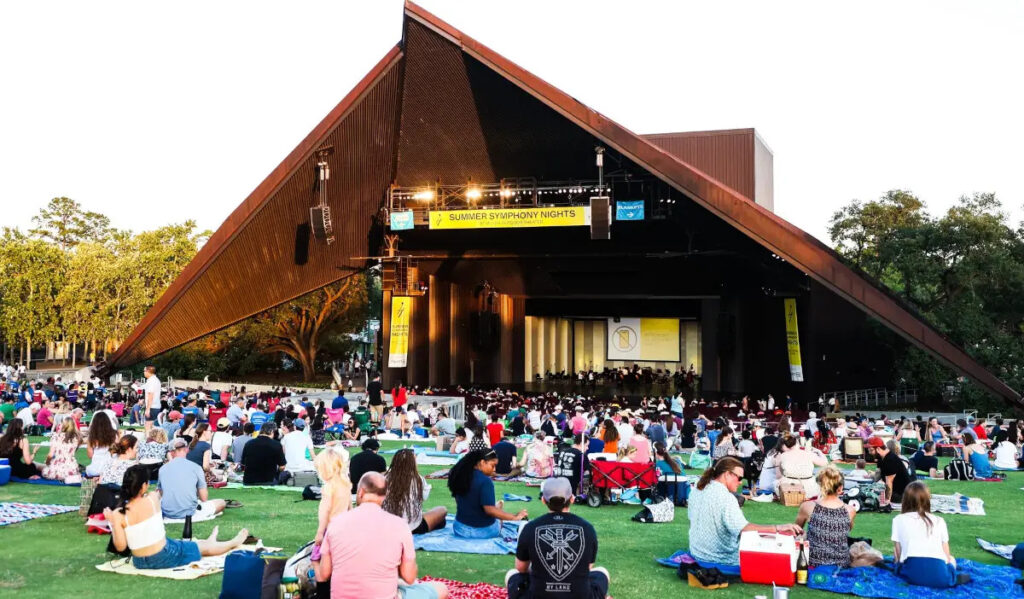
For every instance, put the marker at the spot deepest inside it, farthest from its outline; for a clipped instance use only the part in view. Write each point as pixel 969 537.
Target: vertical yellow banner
pixel 398 352
pixel 796 371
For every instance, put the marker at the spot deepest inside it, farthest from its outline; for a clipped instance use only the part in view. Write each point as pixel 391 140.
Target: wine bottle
pixel 186 533
pixel 801 566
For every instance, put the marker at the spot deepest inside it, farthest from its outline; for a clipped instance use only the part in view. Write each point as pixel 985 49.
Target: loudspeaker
pixel 600 218
pixel 302 244
pixel 320 219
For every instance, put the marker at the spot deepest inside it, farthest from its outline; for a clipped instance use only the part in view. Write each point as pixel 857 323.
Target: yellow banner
pixel 398 352
pixel 511 218
pixel 796 371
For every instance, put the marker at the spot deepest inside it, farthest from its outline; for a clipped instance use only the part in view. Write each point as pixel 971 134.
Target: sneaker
pixel 963 578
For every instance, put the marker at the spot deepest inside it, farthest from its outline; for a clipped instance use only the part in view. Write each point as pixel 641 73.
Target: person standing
pixel 385 567
pixel 151 396
pixel 374 397
pixel 555 553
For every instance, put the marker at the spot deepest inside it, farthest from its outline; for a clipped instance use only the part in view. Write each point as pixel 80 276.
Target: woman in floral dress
pixel 61 463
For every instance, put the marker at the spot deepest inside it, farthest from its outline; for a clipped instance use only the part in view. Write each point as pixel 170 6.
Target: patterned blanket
pixel 958 504
pixel 1003 551
pixel 986 581
pixel 469 590
pixel 11 513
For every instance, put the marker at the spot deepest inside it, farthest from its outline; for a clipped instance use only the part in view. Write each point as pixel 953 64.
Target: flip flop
pixel 250 540
pixel 232 503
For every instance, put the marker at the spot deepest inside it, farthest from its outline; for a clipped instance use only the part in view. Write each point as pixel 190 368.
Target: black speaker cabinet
pixel 600 218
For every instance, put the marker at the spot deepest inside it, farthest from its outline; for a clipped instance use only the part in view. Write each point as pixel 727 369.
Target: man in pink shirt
pixel 372 551
pixel 578 422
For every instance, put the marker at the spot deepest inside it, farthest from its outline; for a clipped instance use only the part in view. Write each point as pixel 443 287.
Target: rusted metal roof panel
pixel 248 265
pixel 727 156
pixel 781 237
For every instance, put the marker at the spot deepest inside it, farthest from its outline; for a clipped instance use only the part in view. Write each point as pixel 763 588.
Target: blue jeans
pixel 472 532
pixel 928 572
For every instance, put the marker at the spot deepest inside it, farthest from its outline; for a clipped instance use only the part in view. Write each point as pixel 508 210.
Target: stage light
pixel 473 194
pixel 506 193
pixel 424 195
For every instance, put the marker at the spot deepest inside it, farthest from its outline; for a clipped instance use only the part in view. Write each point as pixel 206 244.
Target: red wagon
pixel 619 475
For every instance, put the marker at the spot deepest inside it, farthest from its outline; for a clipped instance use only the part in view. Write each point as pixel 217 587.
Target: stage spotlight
pixel 507 193
pixel 425 195
pixel 473 194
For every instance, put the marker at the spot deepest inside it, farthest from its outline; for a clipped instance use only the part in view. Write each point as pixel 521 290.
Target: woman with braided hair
pixel 406 492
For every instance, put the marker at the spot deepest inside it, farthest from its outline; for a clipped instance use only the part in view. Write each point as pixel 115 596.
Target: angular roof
pixel 379 133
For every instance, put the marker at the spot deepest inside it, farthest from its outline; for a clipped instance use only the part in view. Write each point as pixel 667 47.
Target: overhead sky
pixel 157 112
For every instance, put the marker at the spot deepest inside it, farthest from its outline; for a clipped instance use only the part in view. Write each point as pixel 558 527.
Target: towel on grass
pixel 200 516
pixel 683 555
pixel 204 567
pixel 429 460
pixel 469 590
pixel 436 474
pixel 12 513
pixel 444 540
pixel 882 583
pixel 1003 551
pixel 43 481
pixel 265 487
pixel 957 504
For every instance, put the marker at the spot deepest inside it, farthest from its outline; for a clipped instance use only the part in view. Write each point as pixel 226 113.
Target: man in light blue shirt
pixel 183 487
pixel 716 520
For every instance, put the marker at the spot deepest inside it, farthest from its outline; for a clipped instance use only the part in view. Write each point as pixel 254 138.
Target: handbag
pixel 700 461
pixel 659 511
pixel 958 469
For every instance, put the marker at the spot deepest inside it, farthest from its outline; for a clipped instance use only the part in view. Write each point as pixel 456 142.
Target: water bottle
pixel 186 533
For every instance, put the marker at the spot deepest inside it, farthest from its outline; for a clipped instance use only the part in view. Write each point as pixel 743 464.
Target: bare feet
pixel 240 537
pixel 213 535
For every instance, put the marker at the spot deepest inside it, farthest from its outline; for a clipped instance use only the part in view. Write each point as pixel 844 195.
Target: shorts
pixel 153 413
pixel 175 553
pixel 421 528
pixel 518 586
pixel 416 591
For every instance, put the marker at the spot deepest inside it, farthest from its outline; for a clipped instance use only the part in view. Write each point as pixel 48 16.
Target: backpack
pixel 958 469
pixel 311 492
pixel 700 461
pixel 911 470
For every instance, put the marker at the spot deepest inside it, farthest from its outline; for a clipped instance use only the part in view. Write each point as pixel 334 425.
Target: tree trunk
pixel 74 354
pixel 28 353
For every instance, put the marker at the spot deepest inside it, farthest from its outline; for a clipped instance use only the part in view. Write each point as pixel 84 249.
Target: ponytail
pixel 717 469
pixel 125 444
pixel 202 428
pixel 460 477
pixel 131 486
pixel 659 449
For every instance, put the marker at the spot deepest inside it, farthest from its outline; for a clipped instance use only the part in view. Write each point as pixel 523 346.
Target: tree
pixel 64 222
pixel 31 275
pixel 300 328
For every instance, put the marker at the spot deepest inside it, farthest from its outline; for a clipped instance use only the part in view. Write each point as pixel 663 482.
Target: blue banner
pixel 628 210
pixel 402 221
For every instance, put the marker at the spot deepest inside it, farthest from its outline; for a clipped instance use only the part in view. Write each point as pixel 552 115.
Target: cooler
pixel 767 558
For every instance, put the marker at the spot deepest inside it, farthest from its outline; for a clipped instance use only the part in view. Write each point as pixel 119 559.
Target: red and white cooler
pixel 767 558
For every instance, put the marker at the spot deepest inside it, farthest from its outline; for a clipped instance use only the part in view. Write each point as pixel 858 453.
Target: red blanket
pixel 466 590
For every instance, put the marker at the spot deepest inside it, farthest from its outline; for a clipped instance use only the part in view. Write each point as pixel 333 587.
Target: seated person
pixel 860 472
pixel 537 460
pixel 924 460
pixel 541 568
pixel 890 469
pixel 477 515
pixel 352 431
pixel 385 567
pixel 406 492
pixel 569 462
pixel 667 463
pixel 977 455
pixel 297 446
pixel 461 442
pixel 183 486
pixel 125 452
pixel 61 463
pixel 139 526
pixel 828 521
pixel 1006 450
pixel 241 440
pixel 921 542
pixel 336 490
pixel 366 460
pixel 14 446
pixel 221 440
pixel 796 465
pixel 264 459
pixel 716 520
pixel 507 452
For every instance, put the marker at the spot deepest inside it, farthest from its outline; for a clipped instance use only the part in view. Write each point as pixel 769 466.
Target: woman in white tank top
pixel 139 526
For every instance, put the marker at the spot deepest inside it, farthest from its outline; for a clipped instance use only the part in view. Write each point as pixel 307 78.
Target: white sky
pixel 157 112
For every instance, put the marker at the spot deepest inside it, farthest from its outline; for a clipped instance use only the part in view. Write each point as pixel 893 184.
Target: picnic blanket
pixel 199 516
pixel 43 481
pixel 1003 551
pixel 683 555
pixel 443 473
pixel 265 487
pixel 444 540
pixel 469 590
pixel 12 513
pixel 429 460
pixel 882 583
pixel 204 567
pixel 957 504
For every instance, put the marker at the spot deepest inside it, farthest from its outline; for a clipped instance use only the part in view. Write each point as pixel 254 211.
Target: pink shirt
pixel 579 424
pixel 643 449
pixel 44 418
pixel 364 569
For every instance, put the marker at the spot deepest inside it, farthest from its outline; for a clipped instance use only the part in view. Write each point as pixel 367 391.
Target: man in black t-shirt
pixel 556 552
pixel 366 460
pixel 925 461
pixel 569 462
pixel 263 459
pixel 890 469
pixel 506 456
pixel 375 398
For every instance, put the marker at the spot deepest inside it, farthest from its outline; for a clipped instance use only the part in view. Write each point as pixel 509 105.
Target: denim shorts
pixel 472 532
pixel 174 554
pixel 153 413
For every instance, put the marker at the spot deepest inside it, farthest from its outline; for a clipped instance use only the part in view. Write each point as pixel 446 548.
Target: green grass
pixel 55 557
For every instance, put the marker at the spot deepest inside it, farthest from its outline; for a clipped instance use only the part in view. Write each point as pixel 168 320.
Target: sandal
pixel 232 503
pixel 250 540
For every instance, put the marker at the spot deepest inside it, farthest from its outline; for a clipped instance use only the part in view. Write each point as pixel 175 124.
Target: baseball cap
pixel 875 442
pixel 557 486
pixel 299 423
pixel 174 415
pixel 178 443
pixel 371 444
pixel 223 424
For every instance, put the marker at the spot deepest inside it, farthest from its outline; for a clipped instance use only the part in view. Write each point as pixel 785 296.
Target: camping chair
pixel 908 446
pixel 362 416
pixel 853 448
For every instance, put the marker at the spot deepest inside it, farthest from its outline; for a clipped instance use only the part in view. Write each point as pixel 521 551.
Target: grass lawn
pixel 55 557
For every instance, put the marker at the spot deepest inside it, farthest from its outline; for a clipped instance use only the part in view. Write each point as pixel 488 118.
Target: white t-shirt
pixel 1006 455
pixel 152 391
pixel 295 445
pixel 26 417
pixel 220 439
pixel 747 448
pixel 911 532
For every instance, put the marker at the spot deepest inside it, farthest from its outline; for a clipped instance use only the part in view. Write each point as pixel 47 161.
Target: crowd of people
pixel 192 440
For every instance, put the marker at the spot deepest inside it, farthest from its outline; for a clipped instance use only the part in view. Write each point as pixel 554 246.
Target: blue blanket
pixel 986 581
pixel 674 560
pixel 43 481
pixel 445 540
